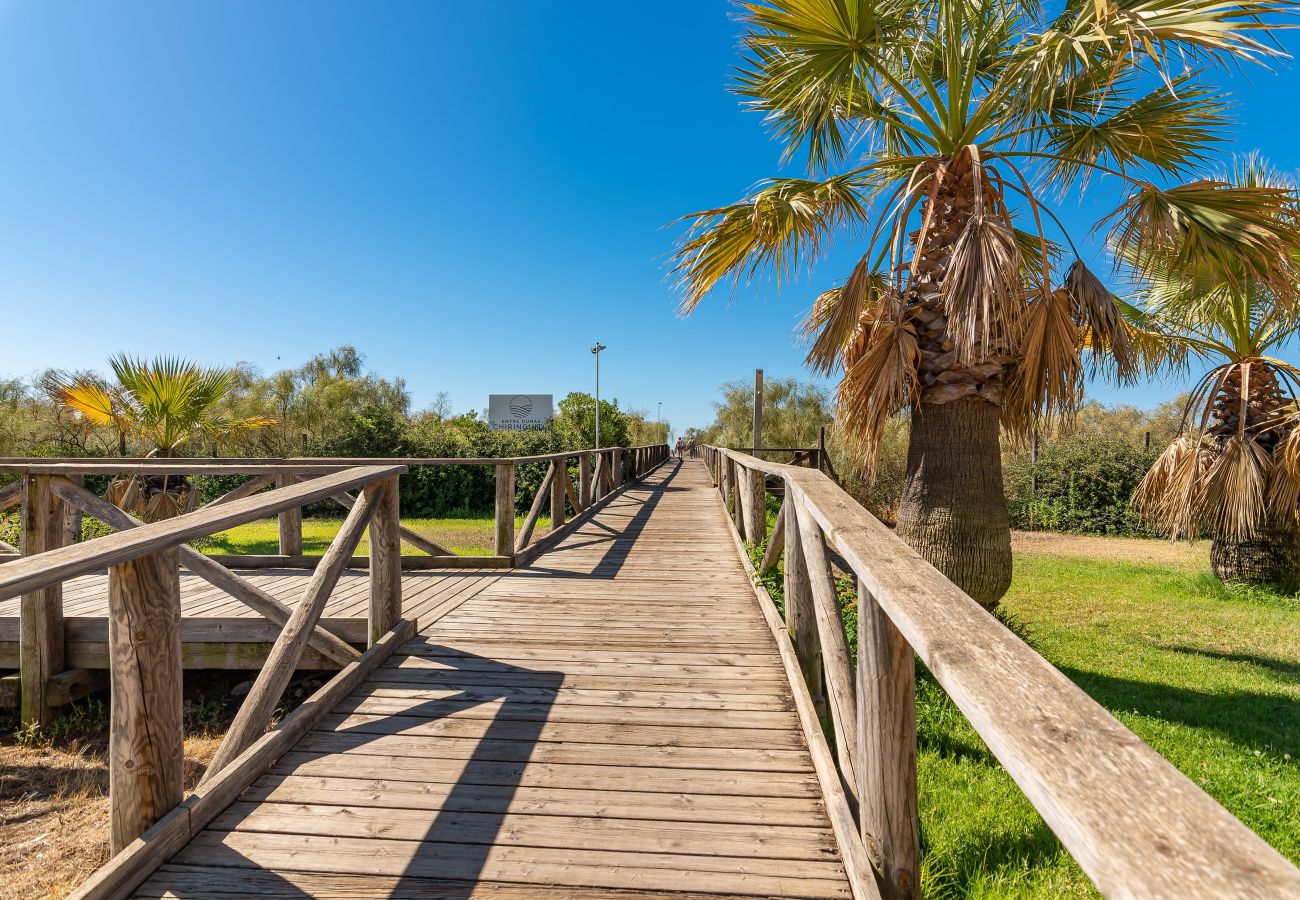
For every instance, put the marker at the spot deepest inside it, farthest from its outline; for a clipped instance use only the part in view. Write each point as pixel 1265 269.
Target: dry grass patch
pixel 1184 556
pixel 54 812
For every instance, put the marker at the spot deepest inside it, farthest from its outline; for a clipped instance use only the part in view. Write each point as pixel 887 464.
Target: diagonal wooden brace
pixel 331 646
pixel 414 538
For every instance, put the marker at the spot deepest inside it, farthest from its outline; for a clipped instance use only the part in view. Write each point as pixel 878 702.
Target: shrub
pixel 1085 485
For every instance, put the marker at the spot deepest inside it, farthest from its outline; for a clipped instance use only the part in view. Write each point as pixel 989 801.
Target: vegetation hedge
pixel 1084 486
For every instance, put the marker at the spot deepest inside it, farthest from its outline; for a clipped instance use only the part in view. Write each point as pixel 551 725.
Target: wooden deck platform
pixel 612 718
pixel 219 632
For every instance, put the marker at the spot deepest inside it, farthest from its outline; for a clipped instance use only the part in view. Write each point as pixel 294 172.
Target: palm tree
pixel 163 404
pixel 935 131
pixel 1234 469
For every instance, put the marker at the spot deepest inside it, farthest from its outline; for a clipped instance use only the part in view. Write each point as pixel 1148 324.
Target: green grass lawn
pixel 1209 677
pixel 464 537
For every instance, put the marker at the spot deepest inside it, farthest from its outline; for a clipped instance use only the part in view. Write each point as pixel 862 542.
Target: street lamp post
pixel 595 351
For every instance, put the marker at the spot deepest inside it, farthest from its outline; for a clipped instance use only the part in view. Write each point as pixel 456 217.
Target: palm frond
pixel 1284 482
pixel 1106 332
pixel 1171 496
pixel 780 226
pixel 1047 375
pixel 87 397
pixel 1225 233
pixel 879 382
pixel 1169 129
pixel 842 313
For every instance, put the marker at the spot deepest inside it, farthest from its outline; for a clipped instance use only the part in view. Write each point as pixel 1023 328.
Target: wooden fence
pixel 53 501
pixel 144 563
pixel 1136 825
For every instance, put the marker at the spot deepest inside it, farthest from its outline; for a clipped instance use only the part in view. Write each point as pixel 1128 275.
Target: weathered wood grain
pixel 256 710
pixel 212 572
pixel 40 644
pixel 145 750
pixel 385 607
pixel 56 566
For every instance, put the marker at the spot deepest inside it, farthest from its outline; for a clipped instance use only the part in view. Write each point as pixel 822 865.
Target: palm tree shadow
pixel 1251 719
pixel 451 855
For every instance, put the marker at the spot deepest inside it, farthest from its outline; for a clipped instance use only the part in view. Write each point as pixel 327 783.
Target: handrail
pixel 1136 825
pixel 110 465
pixel 32 573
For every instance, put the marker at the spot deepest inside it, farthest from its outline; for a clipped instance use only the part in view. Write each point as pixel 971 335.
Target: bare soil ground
pixel 1180 555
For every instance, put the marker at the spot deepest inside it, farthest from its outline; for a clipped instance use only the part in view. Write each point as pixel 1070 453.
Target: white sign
pixel 519 412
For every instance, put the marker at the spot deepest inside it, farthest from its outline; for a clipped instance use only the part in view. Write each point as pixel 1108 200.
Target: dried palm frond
pixel 983 296
pixel 1171 496
pixel 842 312
pixel 879 382
pixel 1284 481
pixel 1106 331
pixel 1047 375
pixel 1234 504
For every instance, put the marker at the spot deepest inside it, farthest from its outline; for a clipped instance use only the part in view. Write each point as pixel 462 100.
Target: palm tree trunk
pixel 1271 559
pixel 953 510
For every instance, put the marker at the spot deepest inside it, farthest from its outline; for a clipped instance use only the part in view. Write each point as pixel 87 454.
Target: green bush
pixel 1085 486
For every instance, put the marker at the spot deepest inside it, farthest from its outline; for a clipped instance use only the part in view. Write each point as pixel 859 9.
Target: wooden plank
pixel 836 666
pixel 56 566
pixel 220 883
pixel 251 595
pixel 776 544
pixel 40 642
pixel 385 583
pixel 554 831
pixel 290 521
pixel 146 755
pixel 128 869
pixel 256 710
pixel 887 744
pixel 540 801
pixel 582 868
pixel 558 480
pixel 504 523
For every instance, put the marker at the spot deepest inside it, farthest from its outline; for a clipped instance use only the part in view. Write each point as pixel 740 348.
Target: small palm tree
pixel 1234 470
pixel 164 404
pixel 935 133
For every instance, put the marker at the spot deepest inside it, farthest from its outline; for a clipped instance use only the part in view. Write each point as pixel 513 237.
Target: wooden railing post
pixel 617 475
pixel 557 494
pixel 759 487
pixel 887 744
pixel 40 636
pixel 290 522
pixel 505 509
pixel 586 463
pixel 146 743
pixel 385 559
pixel 800 620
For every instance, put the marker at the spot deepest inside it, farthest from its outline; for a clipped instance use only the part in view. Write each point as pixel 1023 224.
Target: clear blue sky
pixel 470 193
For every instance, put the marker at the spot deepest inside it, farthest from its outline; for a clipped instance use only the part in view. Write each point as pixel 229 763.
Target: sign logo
pixel 519 412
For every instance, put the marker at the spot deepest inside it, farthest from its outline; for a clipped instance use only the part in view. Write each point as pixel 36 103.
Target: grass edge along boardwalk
pixel 614 716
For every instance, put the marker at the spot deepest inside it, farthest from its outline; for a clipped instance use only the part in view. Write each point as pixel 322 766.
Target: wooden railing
pixel 1136 825
pixel 144 638
pixel 53 502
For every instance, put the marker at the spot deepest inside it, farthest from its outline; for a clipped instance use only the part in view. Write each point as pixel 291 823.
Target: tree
pixel 937 130
pixel 794 413
pixel 163 405
pixel 1234 469
pixel 576 422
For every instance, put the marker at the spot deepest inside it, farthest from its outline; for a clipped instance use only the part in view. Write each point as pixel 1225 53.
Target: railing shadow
pixel 621 540
pixel 454 846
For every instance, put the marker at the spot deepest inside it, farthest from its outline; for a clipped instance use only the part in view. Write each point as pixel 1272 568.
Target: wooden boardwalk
pixel 612 720
pixel 219 632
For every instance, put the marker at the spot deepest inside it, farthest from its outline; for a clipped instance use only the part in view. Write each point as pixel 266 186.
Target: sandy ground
pixel 1181 554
